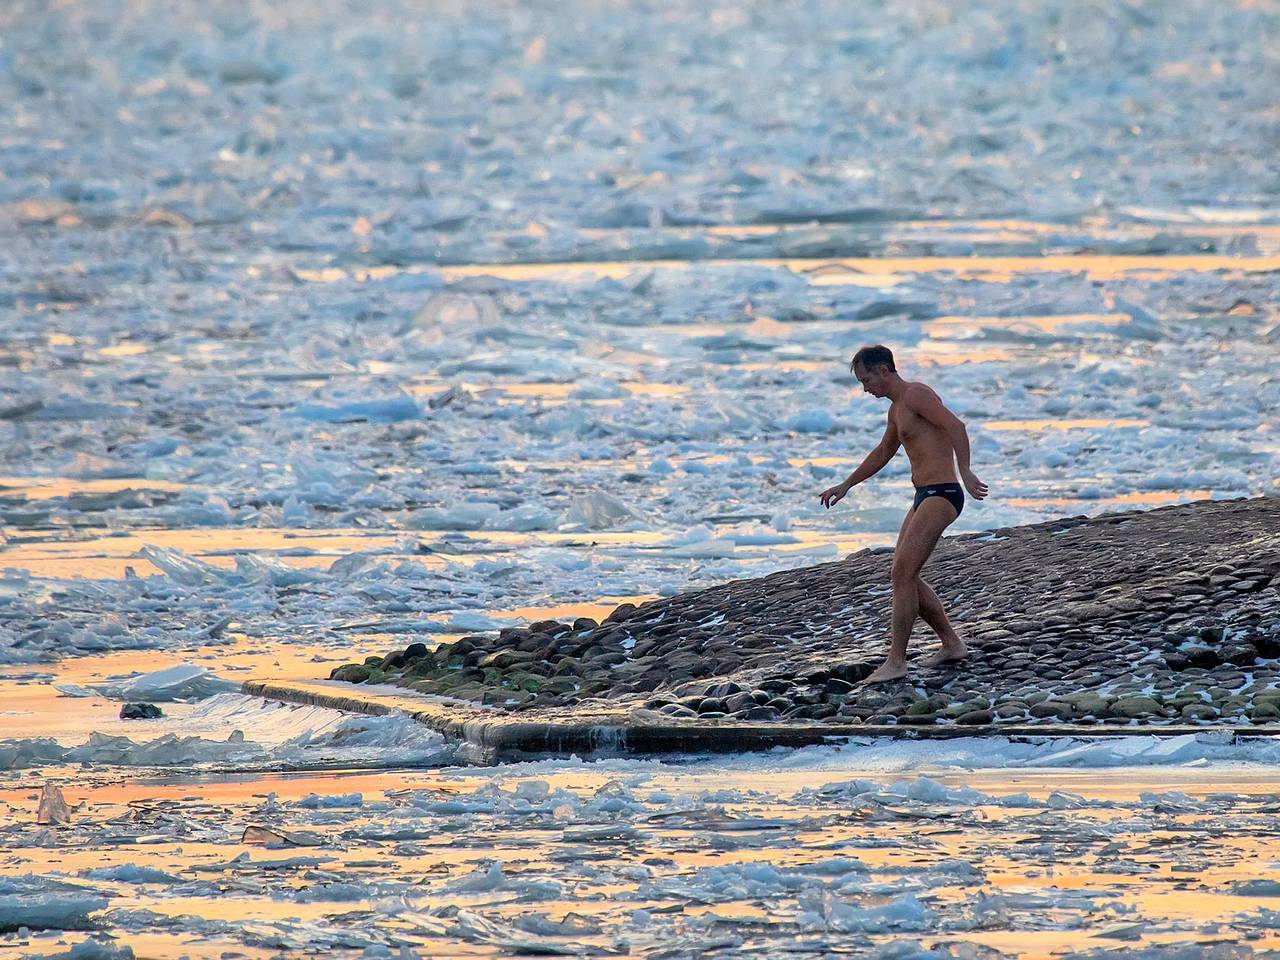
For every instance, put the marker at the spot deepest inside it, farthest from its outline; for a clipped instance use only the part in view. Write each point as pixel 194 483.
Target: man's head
pixel 874 368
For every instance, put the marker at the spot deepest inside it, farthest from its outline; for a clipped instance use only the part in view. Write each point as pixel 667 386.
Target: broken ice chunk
pixel 597 511
pixel 462 516
pixel 94 950
pixel 388 410
pixel 131 873
pixel 42 904
pixel 53 807
pixel 314 801
pixel 279 837
pixel 832 913
pixel 186 681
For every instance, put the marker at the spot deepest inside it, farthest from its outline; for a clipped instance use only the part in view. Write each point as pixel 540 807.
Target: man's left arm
pixel 928 405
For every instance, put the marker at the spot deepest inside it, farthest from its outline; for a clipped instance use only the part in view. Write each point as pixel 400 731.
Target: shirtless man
pixel 936 443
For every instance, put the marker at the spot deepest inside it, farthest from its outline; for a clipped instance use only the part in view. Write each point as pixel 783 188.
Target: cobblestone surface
pixel 1164 615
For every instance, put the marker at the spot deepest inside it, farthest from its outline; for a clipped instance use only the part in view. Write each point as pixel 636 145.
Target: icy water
pixel 223 847
pixel 328 327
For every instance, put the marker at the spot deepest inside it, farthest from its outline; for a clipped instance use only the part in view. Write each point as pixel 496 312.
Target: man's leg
pixel 916 541
pixel 931 612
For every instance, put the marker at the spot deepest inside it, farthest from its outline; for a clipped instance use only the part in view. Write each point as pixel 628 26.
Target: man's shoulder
pixel 917 391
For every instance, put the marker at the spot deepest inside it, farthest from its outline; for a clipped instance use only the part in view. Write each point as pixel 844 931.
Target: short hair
pixel 872 357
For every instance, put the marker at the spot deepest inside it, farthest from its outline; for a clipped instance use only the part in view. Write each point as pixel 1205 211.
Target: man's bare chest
pixel 909 425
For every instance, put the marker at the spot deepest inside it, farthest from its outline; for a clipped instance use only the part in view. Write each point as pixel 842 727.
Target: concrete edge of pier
pixel 489 735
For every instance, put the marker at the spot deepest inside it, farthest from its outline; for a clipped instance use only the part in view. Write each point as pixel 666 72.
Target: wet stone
pixel 1055 709
pixel 504 658
pixel 739 701
pixel 677 710
pixel 919 719
pixel 605 660
pixel 351 673
pixel 1230 679
pixel 1239 654
pixel 853 672
pixel 1265 713
pixel 1086 702
pixel 621 612
pixel 1135 707
pixel 140 711
pixel 1199 711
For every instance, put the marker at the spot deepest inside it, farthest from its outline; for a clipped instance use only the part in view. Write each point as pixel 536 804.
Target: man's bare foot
pixel 950 653
pixel 889 670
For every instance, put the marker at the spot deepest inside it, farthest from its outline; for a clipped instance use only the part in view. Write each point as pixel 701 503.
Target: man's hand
pixel 977 489
pixel 833 495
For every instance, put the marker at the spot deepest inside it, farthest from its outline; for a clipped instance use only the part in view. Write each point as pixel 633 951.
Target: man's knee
pixel 904 575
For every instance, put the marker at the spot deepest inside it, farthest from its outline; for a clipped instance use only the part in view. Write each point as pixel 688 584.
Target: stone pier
pixel 1166 618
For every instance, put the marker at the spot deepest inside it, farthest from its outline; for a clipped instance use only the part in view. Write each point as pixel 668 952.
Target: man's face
pixel 873 380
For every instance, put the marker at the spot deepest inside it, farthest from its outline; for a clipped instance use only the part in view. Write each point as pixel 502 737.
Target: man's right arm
pixel 872 464
pixel 876 460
